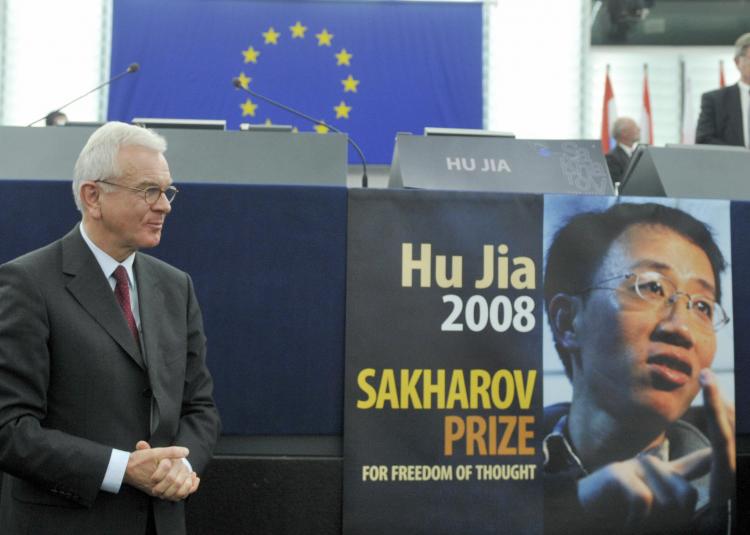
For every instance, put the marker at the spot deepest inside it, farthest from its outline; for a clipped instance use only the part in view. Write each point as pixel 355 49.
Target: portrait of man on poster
pixel 633 297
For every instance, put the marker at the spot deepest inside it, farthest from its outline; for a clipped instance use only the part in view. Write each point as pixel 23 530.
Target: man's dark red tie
pixel 122 294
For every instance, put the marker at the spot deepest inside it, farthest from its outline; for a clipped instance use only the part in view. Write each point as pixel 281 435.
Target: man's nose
pixel 162 204
pixel 677 324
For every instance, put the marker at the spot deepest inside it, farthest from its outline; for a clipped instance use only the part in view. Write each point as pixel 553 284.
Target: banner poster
pixel 503 352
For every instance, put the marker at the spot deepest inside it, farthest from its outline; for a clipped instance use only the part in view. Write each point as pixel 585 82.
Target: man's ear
pixel 90 199
pixel 563 310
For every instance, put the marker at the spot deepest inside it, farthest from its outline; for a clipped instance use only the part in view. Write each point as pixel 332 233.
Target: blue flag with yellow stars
pixel 370 69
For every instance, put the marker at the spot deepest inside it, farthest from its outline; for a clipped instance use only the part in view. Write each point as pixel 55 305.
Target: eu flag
pixel 369 69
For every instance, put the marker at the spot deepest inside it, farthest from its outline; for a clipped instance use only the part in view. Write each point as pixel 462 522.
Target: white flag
pixel 688 118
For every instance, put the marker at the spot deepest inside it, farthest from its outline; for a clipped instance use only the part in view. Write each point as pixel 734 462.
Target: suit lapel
pixel 735 116
pixel 151 305
pixel 151 301
pixel 622 156
pixel 91 289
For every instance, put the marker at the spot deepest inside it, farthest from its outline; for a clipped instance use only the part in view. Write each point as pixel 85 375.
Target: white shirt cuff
pixel 118 462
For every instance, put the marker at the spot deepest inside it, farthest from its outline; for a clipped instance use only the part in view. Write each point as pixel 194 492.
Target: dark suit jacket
pixel 617 162
pixel 73 385
pixel 720 121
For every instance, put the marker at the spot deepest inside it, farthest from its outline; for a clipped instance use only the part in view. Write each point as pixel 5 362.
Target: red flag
pixel 647 125
pixel 609 114
pixel 722 82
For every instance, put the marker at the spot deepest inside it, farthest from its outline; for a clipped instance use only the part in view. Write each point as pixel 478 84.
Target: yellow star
pixel 268 122
pixel 321 129
pixel 343 58
pixel 271 36
pixel 298 31
pixel 251 55
pixel 295 130
pixel 342 110
pixel 248 108
pixel 244 80
pixel 324 38
pixel 350 84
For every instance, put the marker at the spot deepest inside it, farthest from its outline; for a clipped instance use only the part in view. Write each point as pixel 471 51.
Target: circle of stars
pixel 324 38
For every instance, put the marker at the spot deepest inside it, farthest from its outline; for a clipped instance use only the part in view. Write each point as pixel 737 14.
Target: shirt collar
pixel 628 150
pixel 559 455
pixel 106 262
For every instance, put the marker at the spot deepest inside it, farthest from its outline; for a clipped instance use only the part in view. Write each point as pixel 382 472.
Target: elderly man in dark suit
pixel 626 134
pixel 106 409
pixel 725 112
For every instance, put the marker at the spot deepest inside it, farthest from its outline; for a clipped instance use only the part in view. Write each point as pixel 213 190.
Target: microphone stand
pixel 133 67
pixel 238 84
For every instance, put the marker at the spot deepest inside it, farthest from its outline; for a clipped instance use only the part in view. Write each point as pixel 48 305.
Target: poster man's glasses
pixel 651 287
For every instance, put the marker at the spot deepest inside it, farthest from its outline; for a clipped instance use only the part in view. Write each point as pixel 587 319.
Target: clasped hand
pixel 161 472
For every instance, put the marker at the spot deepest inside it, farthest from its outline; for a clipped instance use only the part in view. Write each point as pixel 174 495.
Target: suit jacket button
pixel 147 393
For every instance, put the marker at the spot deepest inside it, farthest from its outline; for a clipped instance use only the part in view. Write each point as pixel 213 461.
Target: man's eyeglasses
pixel 654 288
pixel 151 194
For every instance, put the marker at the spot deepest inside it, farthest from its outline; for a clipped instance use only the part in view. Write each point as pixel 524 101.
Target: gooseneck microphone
pixel 133 67
pixel 238 84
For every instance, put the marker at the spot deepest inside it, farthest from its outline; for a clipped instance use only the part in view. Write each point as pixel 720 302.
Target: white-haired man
pixel 626 133
pixel 106 409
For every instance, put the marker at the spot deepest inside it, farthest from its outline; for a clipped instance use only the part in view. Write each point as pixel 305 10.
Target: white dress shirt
pixel 745 105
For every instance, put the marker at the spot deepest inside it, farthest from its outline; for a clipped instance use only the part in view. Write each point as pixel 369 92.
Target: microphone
pixel 238 84
pixel 133 67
